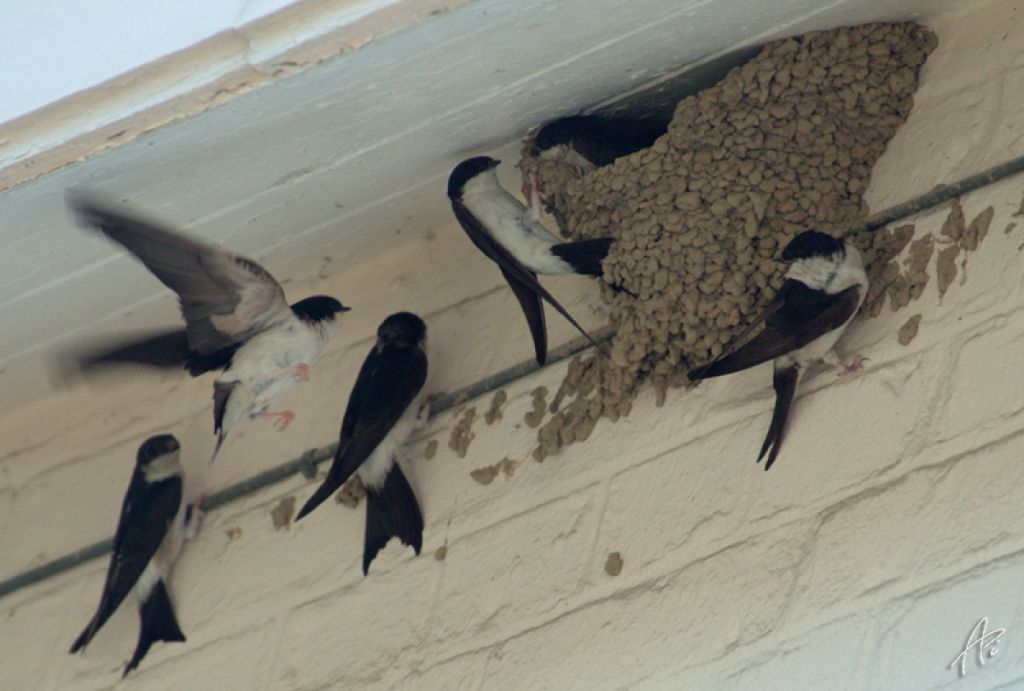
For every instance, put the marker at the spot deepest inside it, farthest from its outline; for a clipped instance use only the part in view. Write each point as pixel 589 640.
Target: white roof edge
pixel 199 77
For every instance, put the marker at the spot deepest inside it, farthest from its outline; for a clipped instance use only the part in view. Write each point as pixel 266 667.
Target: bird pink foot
pixel 281 420
pixel 846 369
pixel 531 190
pixel 299 371
pixel 855 365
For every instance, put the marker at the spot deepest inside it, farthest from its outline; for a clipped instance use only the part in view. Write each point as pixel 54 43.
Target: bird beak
pixel 495 164
pixel 345 309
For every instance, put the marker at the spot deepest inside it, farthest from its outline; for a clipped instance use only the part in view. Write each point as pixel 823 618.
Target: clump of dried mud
pixel 613 565
pixel 462 434
pixel 495 412
pixel 784 143
pixel 282 514
pixel 351 493
pixel 905 283
pixel 430 450
pixel 486 474
pixel 908 331
pixel 536 415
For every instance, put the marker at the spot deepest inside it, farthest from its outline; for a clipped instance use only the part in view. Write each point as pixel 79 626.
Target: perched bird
pixel 499 226
pixel 824 287
pixel 385 406
pixel 153 527
pixel 236 319
pixel 588 142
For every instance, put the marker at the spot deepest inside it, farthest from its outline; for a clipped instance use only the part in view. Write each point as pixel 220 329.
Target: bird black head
pixel 318 308
pixel 155 447
pixel 812 243
pixel 557 132
pixel 466 171
pixel 401 328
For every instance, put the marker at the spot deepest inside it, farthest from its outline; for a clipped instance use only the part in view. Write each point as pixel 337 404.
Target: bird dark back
pixel 317 308
pixel 401 329
pixel 560 131
pixel 599 139
pixel 800 303
pixel 811 243
pixel 197 364
pixel 621 136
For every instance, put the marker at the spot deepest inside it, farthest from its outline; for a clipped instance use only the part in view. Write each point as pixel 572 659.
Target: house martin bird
pixel 236 319
pixel 824 287
pixel 154 525
pixel 588 142
pixel 385 406
pixel 499 226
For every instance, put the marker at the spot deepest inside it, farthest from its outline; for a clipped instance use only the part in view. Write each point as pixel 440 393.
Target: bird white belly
pixel 813 351
pixel 822 273
pixel 263 367
pixel 166 554
pixel 375 469
pixel 510 225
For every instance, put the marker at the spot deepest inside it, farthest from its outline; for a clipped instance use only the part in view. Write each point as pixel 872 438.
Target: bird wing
pixel 803 314
pixel 224 298
pixel 784 382
pixel 533 310
pixel 146 515
pixel 388 382
pixel 584 256
pixel 520 279
pixel 602 140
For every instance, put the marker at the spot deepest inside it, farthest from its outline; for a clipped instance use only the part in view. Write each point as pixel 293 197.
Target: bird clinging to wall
pixel 498 224
pixel 384 407
pixel 154 525
pixel 825 286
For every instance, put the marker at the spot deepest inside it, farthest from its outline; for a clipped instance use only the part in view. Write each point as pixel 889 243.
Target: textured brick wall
pixel 891 523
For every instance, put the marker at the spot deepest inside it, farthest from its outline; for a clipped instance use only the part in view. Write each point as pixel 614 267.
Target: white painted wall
pixel 889 526
pixel 51 49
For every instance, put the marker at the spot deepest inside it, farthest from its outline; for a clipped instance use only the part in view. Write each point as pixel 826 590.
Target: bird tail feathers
pixel 221 395
pixel 331 483
pixel 158 624
pixel 585 256
pixel 108 605
pixel 87 633
pixel 391 511
pixel 784 383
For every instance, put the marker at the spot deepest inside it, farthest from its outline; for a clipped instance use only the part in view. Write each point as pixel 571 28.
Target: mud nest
pixel 784 143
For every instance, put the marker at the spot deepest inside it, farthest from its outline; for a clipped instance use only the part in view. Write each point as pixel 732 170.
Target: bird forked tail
pixel 158 624
pixel 391 511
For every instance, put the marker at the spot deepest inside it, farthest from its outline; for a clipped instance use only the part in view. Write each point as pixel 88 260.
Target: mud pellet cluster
pixel 783 143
